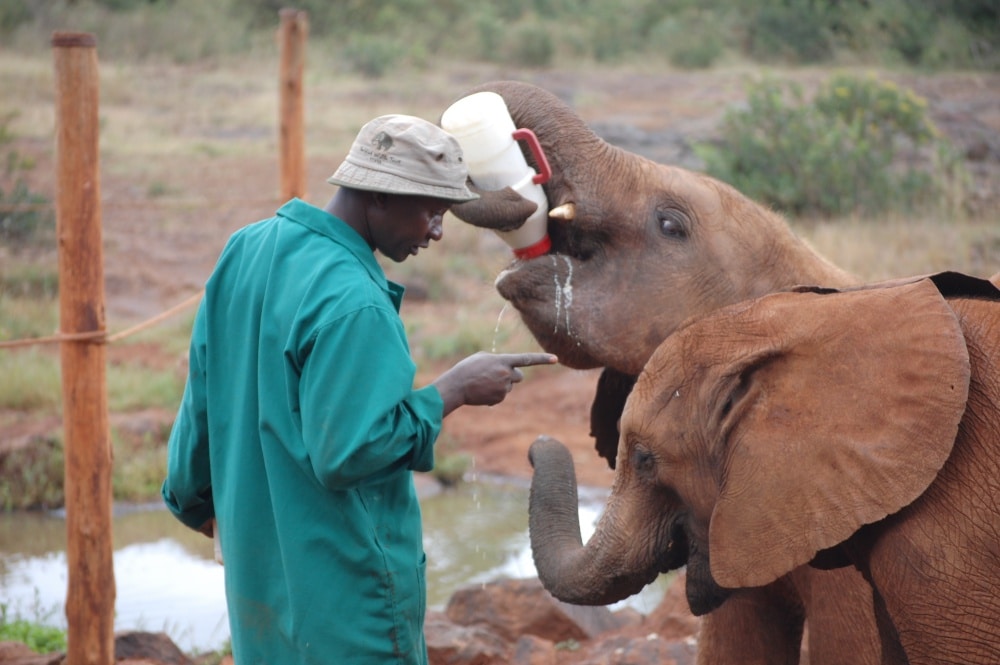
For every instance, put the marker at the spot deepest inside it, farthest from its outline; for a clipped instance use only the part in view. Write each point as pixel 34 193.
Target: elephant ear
pixel 613 389
pixel 845 412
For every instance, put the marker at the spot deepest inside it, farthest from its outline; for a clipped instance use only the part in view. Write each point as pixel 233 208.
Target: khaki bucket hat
pixel 403 154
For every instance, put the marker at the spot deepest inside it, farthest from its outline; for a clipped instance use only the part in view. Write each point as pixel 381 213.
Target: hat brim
pixel 359 177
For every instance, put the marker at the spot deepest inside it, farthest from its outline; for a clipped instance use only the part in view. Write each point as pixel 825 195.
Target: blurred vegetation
pixel 35 633
pixel 860 146
pixel 26 217
pixel 450 463
pixel 32 476
pixel 372 37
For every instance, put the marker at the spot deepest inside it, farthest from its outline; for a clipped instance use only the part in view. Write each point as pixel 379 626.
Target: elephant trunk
pixel 591 574
pixel 571 147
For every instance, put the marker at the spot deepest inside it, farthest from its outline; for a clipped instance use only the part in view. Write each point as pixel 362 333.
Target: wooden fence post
pixel 292 39
pixel 90 596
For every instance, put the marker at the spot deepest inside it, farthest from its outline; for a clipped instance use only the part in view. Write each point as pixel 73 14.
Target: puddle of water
pixel 167 579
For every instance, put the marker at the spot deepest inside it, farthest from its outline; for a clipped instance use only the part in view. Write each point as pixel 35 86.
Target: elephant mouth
pixel 675 554
pixel 570 238
pixel 551 291
pixel 525 280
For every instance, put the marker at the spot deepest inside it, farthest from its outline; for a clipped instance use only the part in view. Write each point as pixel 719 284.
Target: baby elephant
pixel 821 427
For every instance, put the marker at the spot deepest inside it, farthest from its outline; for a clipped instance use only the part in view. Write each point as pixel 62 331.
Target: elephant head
pixel 786 425
pixel 768 434
pixel 637 246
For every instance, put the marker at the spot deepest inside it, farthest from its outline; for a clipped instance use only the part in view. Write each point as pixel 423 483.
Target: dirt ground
pixel 159 251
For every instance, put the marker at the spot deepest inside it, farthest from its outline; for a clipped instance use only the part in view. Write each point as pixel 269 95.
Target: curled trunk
pixel 570 146
pixel 593 574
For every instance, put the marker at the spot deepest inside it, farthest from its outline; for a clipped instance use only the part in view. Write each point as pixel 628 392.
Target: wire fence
pixel 101 336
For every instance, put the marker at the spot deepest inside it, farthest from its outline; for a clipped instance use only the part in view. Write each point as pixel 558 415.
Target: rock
pixel 142 647
pixel 624 650
pixel 514 608
pixel 667 636
pixel 449 643
pixel 531 650
pixel 16 653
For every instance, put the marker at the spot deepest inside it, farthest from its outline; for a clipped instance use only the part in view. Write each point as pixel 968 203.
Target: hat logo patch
pixel 382 142
pixel 378 153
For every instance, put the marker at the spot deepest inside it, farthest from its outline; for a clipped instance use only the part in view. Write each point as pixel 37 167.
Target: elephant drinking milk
pixel 857 428
pixel 639 247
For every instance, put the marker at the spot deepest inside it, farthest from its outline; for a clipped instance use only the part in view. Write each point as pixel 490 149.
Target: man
pixel 300 429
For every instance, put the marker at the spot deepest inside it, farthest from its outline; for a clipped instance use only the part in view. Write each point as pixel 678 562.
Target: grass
pixel 33 381
pixel 894 246
pixel 133 387
pixel 38 636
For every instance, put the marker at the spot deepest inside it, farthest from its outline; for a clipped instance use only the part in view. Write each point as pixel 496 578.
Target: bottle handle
pixel 536 150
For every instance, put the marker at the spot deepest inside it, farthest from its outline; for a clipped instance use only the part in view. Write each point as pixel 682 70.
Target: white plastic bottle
pixel 483 127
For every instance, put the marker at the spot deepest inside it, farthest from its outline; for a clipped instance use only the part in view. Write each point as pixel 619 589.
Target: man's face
pixel 402 225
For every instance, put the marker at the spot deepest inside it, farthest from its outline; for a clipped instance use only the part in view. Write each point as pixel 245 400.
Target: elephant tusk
pixel 566 212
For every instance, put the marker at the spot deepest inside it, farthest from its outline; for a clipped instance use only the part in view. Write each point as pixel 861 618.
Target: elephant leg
pixel 760 626
pixel 841 618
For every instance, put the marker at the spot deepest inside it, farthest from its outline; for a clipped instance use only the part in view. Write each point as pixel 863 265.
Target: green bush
pixel 793 33
pixel 140 463
pixel 861 146
pixel 32 475
pixel 691 41
pixel 13 13
pixel 489 29
pixel 372 55
pixel 26 217
pixel 610 34
pixel 531 45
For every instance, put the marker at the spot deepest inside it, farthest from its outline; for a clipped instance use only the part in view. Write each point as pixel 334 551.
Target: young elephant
pixel 828 427
pixel 638 247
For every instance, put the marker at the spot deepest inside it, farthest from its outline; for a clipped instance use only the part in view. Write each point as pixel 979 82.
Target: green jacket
pixel 299 431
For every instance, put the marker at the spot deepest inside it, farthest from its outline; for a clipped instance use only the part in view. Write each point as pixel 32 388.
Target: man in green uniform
pixel 300 427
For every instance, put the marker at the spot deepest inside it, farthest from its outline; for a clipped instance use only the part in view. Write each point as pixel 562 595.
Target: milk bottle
pixel 483 127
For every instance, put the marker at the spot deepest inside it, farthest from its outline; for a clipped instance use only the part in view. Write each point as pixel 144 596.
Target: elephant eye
pixel 673 223
pixel 642 459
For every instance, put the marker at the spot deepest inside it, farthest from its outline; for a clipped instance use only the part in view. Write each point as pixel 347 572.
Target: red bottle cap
pixel 533 251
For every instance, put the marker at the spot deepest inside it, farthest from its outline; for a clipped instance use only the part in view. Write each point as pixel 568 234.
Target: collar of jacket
pixel 322 222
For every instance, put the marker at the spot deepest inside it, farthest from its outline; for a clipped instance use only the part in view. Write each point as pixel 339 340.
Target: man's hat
pixel 402 154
